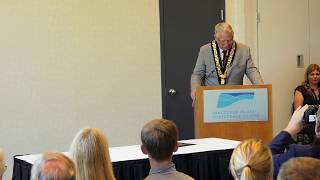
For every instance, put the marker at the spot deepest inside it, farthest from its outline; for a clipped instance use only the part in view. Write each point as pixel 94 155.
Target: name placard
pixel 235 105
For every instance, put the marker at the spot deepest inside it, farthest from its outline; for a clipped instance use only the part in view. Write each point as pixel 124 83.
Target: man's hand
pixel 193 94
pixel 295 124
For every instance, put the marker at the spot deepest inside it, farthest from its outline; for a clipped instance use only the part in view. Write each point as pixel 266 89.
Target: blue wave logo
pixel 227 99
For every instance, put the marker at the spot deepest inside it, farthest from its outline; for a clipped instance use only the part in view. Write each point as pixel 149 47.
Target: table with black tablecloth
pixel 205 159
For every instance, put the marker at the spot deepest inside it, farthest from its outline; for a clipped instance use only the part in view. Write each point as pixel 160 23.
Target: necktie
pixel 224 53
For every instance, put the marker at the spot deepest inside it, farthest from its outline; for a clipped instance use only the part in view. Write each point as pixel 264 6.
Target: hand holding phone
pixel 295 124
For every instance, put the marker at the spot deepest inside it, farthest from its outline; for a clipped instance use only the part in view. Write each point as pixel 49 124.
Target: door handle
pixel 222 14
pixel 172 91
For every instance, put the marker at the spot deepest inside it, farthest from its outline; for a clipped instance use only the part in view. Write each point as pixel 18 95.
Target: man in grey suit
pixel 223 62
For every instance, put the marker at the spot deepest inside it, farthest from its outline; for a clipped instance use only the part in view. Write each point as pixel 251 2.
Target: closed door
pixel 185 26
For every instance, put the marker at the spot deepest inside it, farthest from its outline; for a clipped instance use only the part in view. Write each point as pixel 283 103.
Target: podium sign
pixel 235 105
pixel 235 112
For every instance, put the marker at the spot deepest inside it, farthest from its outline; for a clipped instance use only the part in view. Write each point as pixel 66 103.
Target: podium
pixel 236 112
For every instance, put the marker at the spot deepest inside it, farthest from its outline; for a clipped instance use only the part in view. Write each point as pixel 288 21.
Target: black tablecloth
pixel 211 165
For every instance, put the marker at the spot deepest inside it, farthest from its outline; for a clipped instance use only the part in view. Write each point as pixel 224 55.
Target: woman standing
pixel 308 93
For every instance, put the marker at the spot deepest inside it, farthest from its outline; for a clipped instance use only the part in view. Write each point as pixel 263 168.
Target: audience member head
pixel 90 151
pixel 3 166
pixel 223 35
pixel 300 168
pixel 53 166
pixel 159 139
pixel 251 160
pixel 312 75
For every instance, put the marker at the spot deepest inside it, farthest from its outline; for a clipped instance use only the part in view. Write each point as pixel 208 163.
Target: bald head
pixel 53 166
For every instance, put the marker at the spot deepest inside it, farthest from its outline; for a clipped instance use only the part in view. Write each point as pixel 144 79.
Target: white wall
pixel 286 28
pixel 283 35
pixel 241 14
pixel 69 64
pixel 314 45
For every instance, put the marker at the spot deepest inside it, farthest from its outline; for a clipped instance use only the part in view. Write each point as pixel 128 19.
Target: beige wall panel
pixel 283 34
pixel 242 15
pixel 314 15
pixel 287 29
pixel 69 64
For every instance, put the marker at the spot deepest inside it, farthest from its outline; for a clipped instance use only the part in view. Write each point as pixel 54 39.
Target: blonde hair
pixel 305 168
pixel 3 166
pixel 251 160
pixel 90 151
pixel 223 27
pixel 53 166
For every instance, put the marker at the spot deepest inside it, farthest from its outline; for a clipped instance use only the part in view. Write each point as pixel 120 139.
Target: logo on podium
pixel 235 105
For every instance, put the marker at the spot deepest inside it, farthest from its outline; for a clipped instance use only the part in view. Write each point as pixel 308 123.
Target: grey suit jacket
pixel 167 172
pixel 205 73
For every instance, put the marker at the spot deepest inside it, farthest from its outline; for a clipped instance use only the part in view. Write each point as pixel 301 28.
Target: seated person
pixel 159 139
pixel 281 146
pixel 3 166
pixel 90 152
pixel 304 168
pixel 308 93
pixel 251 159
pixel 53 166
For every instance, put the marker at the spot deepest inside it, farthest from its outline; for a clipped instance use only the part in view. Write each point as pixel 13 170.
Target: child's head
pixel 159 139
